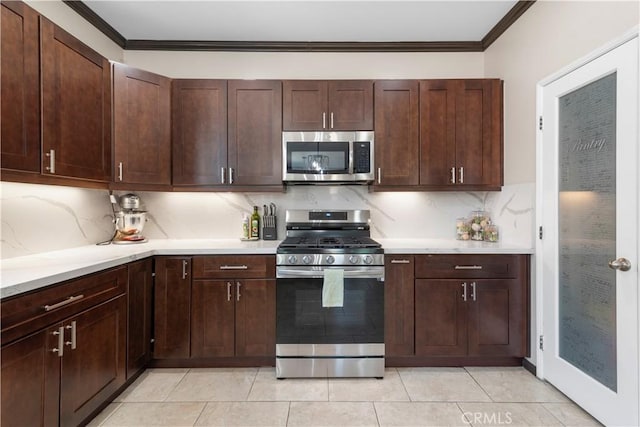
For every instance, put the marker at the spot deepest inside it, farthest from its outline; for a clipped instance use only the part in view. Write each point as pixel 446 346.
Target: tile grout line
pixel 200 414
pixel 479 385
pixel 404 385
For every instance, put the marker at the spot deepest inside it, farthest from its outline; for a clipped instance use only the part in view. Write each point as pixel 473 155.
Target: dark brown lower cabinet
pixel 441 319
pixel 140 315
pixel 60 375
pixel 172 303
pixel 30 381
pixel 490 322
pixel 96 368
pixel 399 305
pixel 234 317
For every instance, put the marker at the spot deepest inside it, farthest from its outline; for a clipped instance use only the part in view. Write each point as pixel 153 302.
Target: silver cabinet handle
pixel 379 175
pixel 230 175
pixel 120 171
pixel 234 267
pixel 464 291
pixel 184 268
pixel 222 175
pixel 324 120
pixel 453 175
pixel 60 348
pixel 228 291
pixel 621 264
pixel 461 175
pixel 62 303
pixel 400 261
pixel 52 161
pixel 331 120
pixel 238 285
pixel 473 291
pixel 468 267
pixel 73 342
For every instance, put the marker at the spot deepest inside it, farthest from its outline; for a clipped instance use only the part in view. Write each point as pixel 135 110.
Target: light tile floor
pixel 247 397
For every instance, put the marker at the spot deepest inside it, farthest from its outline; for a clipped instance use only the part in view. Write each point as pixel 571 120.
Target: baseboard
pixel 529 366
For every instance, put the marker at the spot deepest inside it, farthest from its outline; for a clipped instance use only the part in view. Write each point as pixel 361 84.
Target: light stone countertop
pixel 27 273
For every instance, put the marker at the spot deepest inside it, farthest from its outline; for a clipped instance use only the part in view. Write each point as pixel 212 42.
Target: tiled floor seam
pixel 479 385
pixel 175 386
pixel 195 423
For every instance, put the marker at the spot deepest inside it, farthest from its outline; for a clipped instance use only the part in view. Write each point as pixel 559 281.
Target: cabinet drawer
pixel 467 266
pixel 27 313
pixel 234 266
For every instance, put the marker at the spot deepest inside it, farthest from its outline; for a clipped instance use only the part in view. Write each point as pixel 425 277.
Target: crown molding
pixel 512 16
pixel 274 46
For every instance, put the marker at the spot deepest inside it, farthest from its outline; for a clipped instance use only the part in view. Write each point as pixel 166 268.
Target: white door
pixel 588 199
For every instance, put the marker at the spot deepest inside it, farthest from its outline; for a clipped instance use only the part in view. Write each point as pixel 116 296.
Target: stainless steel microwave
pixel 328 157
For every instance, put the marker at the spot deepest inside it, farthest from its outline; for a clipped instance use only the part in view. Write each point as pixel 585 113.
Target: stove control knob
pixel 330 259
pixel 353 259
pixel 368 259
pixel 292 259
pixel 306 259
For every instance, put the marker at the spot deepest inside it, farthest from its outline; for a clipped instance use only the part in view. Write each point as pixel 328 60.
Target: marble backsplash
pixel 39 218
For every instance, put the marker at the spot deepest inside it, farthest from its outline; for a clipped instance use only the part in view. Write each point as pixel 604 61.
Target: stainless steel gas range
pixel 330 296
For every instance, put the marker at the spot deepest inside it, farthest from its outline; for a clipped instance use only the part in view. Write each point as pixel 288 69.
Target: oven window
pixel 301 319
pixel 318 157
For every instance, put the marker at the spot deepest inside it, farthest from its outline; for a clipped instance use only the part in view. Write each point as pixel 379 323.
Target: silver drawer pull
pixel 234 267
pixel 468 267
pixel 62 303
pixel 60 348
pixel 73 343
pixel 400 261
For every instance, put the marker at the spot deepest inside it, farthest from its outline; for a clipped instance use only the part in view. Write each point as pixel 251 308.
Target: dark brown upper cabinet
pixel 254 132
pixel 327 105
pixel 76 107
pixel 396 132
pixel 199 132
pixel 461 134
pixel 20 88
pixel 142 126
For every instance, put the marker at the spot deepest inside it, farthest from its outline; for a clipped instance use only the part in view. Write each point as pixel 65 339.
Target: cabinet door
pixel 172 305
pixel 20 87
pixel 441 318
pixel 437 132
pixel 396 132
pixel 479 132
pixel 199 128
pixel 142 126
pixel 140 298
pixel 96 368
pixel 213 318
pixel 497 318
pixel 304 105
pixel 256 317
pixel 350 105
pixel 399 305
pixel 255 132
pixel 31 381
pixel 76 107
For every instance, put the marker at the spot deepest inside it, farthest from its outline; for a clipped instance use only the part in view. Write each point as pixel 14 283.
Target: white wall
pixel 297 65
pixel 66 18
pixel 549 36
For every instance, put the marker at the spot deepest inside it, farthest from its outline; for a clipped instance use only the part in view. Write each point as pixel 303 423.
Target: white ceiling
pixel 324 20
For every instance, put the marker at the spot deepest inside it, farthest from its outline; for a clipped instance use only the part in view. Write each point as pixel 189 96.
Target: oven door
pixel 317 156
pixel 301 318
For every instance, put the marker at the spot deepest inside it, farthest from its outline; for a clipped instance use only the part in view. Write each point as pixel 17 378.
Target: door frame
pixel 538 271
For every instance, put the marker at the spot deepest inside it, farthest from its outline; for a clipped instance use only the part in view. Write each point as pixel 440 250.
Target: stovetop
pixel 328 242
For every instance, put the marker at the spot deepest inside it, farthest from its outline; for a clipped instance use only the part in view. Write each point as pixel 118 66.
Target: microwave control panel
pixel 361 157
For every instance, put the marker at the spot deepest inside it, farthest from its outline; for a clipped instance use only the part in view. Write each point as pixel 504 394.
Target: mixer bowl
pixel 130 223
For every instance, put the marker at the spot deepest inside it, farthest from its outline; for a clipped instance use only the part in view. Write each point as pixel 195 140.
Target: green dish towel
pixel 333 288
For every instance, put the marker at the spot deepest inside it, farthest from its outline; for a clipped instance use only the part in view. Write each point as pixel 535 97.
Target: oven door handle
pixel 318 272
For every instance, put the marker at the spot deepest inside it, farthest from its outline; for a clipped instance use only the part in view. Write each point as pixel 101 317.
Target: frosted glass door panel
pixel 587 229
